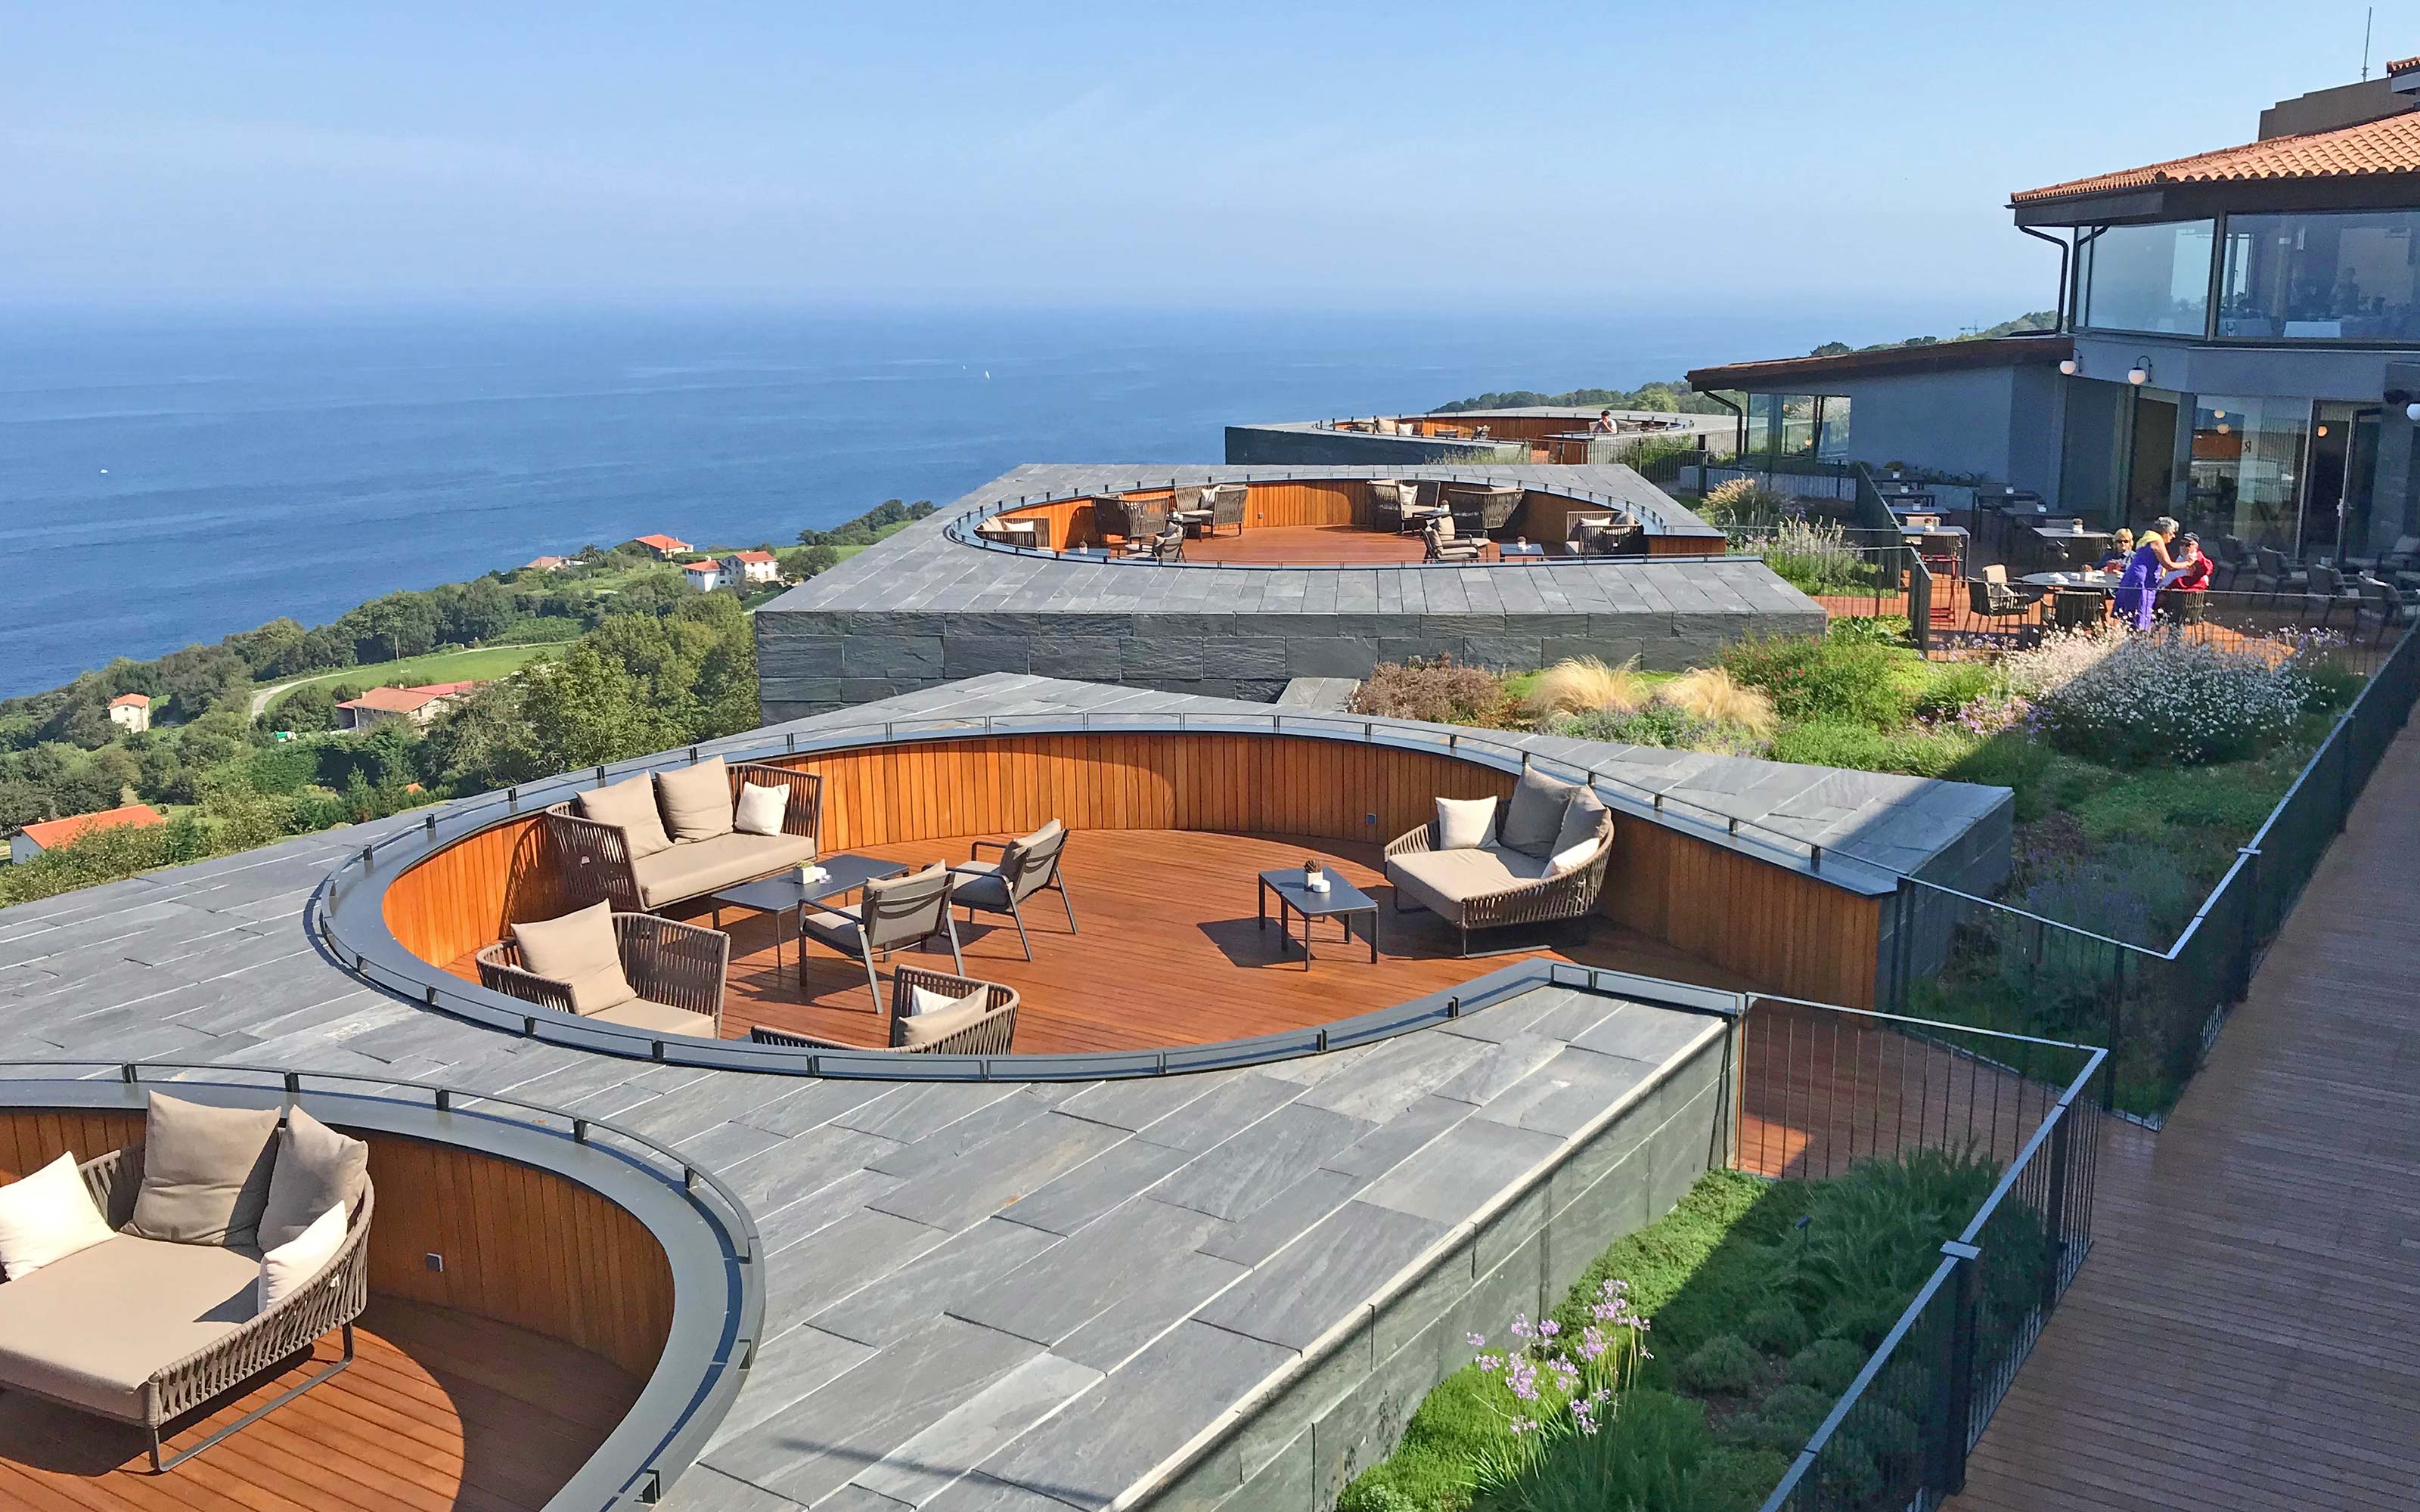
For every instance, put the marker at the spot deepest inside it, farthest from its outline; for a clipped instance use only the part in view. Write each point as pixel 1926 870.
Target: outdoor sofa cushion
pixel 1535 815
pixel 285 1269
pixel 1442 881
pixel 205 1172
pixel 1585 822
pixel 94 1328
pixel 48 1216
pixel 658 1018
pixel 761 809
pixel 1462 823
pixel 696 800
pixel 921 1029
pixel 579 949
pixel 696 866
pixel 630 805
pixel 317 1168
pixel 924 1002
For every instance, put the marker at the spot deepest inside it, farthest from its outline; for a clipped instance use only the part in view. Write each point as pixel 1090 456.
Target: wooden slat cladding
pixel 521 1246
pixel 1776 927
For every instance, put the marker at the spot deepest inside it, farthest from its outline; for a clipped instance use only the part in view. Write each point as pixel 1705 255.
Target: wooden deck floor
pixel 2247 1334
pixel 1169 951
pixel 441 1411
pixel 1284 544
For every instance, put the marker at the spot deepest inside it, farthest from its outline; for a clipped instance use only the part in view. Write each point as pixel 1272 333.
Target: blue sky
pixel 1330 155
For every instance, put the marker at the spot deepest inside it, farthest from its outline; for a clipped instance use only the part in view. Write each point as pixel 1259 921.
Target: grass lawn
pixel 470 665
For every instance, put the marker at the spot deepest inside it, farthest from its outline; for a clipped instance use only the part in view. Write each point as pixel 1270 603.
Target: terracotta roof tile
pixel 2380 146
pixel 405 700
pixel 135 701
pixel 54 832
pixel 2403 65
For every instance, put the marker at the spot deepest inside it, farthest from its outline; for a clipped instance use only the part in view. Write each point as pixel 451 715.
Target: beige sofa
pixel 1511 876
pixel 145 1330
pixel 607 852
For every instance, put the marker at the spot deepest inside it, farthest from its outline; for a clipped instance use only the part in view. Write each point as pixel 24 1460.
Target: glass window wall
pixel 2245 476
pixel 2331 277
pixel 1831 437
pixel 2149 278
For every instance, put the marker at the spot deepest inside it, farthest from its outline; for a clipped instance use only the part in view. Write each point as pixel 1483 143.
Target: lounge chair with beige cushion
pixel 634 970
pixel 663 838
pixel 1542 858
pixel 1025 867
pixel 932 1015
pixel 146 1283
pixel 895 913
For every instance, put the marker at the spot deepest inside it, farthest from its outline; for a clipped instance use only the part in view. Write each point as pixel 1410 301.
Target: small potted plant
pixel 1313 879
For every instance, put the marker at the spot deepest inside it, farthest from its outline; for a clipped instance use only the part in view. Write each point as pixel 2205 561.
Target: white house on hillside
pixel 132 711
pixel 706 577
pixel 750 567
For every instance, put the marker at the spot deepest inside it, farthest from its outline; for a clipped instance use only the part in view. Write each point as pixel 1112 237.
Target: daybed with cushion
pixel 932 1015
pixel 632 969
pixel 147 1283
pixel 1542 859
pixel 662 838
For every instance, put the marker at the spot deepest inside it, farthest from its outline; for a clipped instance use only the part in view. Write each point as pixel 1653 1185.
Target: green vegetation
pixel 1760 1322
pixel 475 665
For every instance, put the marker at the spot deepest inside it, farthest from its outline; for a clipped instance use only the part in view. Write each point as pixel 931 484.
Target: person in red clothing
pixel 2195 578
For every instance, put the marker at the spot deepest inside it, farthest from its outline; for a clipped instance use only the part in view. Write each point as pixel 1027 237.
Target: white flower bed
pixel 2131 698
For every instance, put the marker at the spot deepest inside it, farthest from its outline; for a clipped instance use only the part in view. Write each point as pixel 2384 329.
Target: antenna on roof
pixel 2367 16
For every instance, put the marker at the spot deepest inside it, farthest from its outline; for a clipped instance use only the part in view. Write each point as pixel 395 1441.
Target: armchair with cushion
pixel 1442 544
pixel 166 1274
pixel 1025 867
pixel 1227 507
pixel 635 970
pixel 2276 576
pixel 896 912
pixel 932 1015
pixel 1540 859
pixel 663 838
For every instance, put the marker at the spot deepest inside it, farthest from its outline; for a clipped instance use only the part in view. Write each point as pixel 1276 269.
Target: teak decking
pixel 441 1411
pixel 1169 951
pixel 2242 1335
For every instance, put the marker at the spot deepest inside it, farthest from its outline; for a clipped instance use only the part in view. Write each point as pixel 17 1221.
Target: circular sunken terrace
pixel 1155 960
pixel 1230 517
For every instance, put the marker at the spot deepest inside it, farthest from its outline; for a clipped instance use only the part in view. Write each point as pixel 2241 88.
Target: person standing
pixel 2138 586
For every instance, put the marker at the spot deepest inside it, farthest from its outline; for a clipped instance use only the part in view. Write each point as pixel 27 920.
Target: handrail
pixel 674 1443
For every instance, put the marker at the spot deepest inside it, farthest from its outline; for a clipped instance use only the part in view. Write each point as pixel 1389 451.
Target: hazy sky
pixel 1644 156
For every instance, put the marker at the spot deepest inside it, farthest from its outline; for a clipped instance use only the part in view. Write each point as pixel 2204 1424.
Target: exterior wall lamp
pixel 2140 373
pixel 2069 367
pixel 2411 412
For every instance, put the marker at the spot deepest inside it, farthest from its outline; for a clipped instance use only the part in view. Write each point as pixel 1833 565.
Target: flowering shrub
pixel 1662 725
pixel 2133 700
pixel 1441 692
pixel 1739 502
pixel 1562 1385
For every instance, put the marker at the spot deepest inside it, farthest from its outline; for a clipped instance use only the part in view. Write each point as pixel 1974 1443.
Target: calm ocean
pixel 164 481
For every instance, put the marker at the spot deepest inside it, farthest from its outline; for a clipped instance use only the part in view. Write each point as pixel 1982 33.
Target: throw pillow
pixel 578 951
pixel 631 806
pixel 47 1216
pixel 696 799
pixel 205 1173
pixel 932 1028
pixel 317 1168
pixel 761 809
pixel 1462 823
pixel 1583 822
pixel 924 1001
pixel 285 1269
pixel 1535 813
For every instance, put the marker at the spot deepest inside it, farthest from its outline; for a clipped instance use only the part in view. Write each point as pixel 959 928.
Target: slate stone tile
pixel 1175 1289
pixel 1564 1094
pixel 813 1105
pixel 806 1277
pixel 1282 1218
pixel 1064 1284
pixel 1309 1286
pixel 926 1465
pixel 786 1171
pixel 913 1112
pixel 726 1145
pixel 993 1175
pixel 814 1209
pixel 828 1437
pixel 1399 1137
pixel 1652 1035
pixel 1235 1178
pixel 1118 1173
pixel 1141 1100
pixel 898 1302
pixel 1142 1413
pixel 981 1493
pixel 949 1145
pixel 1462 1170
pixel 1241 1102
pixel 1393 1076
pixel 788 1366
pixel 705 1489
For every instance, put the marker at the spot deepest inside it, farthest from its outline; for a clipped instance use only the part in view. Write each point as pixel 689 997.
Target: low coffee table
pixel 1341 901
pixel 782 894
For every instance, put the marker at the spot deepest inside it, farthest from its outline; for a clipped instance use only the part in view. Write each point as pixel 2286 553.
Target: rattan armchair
pixel 1227 507
pixel 330 1301
pixel 993 1034
pixel 593 858
pixel 676 969
pixel 1440 543
pixel 1547 900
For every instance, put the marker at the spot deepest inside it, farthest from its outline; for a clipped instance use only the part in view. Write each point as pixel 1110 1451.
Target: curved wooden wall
pixel 521 1247
pixel 1788 931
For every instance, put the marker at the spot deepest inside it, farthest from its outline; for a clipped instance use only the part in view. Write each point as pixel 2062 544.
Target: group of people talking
pixel 2147 564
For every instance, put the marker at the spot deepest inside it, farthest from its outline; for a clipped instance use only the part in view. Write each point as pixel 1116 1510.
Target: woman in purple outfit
pixel 2138 586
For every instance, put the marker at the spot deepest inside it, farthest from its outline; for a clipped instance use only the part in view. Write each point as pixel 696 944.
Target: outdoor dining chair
pixel 897 912
pixel 1025 867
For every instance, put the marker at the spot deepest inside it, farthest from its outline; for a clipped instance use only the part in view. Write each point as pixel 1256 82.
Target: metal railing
pixel 1899 1435
pixel 662 1438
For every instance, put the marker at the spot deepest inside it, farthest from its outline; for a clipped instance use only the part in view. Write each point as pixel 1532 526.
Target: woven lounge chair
pixel 1492 884
pixel 1025 868
pixel 677 971
pixel 1442 544
pixel 1227 507
pixel 897 912
pixel 594 859
pixel 79 1327
pixel 991 1031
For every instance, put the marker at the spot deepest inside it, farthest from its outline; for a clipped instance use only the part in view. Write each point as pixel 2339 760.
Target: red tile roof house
pixel 546 564
pixel 750 567
pixel 132 710
pixel 666 546
pixel 706 577
pixel 34 839
pixel 418 704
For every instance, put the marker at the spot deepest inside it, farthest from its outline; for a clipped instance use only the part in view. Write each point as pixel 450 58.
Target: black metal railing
pixel 1836 1087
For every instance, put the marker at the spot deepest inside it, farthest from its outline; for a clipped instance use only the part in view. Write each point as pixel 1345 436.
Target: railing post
pixel 1953 1376
pixel 2054 1209
pixel 2116 1021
